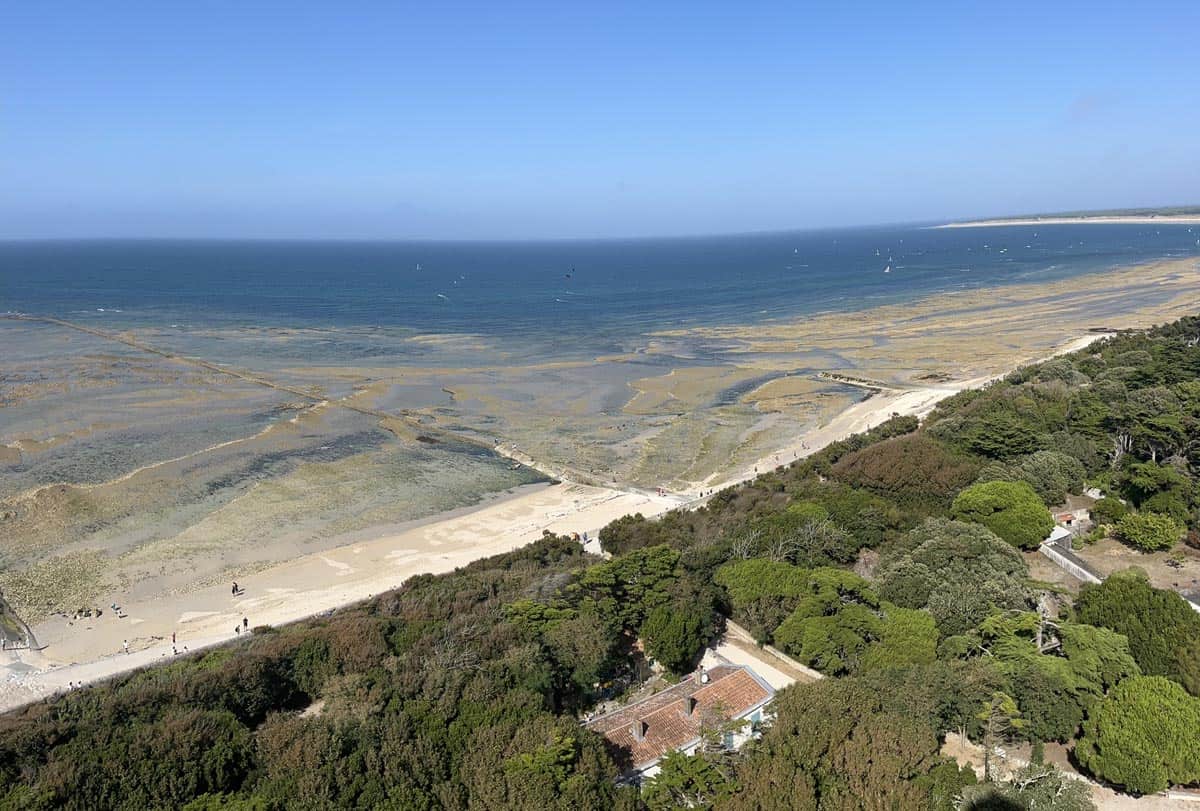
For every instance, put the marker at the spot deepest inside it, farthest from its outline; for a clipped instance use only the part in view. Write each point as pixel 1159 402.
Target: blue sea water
pixel 565 298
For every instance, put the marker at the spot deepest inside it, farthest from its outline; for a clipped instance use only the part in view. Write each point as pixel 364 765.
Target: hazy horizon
pixel 538 121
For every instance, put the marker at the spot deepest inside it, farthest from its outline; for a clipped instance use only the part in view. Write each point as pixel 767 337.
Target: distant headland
pixel 1176 215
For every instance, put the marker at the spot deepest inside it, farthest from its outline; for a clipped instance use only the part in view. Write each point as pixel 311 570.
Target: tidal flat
pixel 139 473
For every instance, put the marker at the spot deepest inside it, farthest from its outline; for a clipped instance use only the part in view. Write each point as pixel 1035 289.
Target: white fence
pixel 1068 565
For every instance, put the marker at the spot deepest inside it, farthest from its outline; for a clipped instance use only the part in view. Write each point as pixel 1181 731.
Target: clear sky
pixel 498 119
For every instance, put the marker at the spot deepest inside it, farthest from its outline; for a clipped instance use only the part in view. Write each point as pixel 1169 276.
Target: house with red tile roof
pixel 708 702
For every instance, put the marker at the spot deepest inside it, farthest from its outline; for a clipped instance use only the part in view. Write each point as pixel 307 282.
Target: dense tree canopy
pixel 1055 683
pixel 960 572
pixel 844 744
pixel 762 592
pixel 1010 509
pixel 1161 627
pixel 700 781
pixel 841 626
pixel 914 466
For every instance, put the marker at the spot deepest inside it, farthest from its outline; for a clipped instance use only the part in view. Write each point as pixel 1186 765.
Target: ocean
pixel 544 299
pixel 654 362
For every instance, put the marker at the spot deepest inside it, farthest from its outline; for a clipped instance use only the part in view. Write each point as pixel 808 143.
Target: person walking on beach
pixel 235 588
pixel 125 644
pixel 172 637
pixel 237 629
pixel 245 624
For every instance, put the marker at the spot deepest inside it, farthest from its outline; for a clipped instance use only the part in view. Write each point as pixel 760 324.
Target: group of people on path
pixel 243 627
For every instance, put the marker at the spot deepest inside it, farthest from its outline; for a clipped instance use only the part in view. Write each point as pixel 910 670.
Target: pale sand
pixel 90 650
pixel 1186 219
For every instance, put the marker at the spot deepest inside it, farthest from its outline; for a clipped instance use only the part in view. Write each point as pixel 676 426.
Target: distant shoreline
pixel 1141 219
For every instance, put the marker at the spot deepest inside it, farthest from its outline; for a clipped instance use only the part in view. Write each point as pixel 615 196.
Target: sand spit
pixel 1140 219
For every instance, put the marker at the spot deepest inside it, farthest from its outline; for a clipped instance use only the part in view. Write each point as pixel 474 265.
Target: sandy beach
pixel 1182 219
pixel 156 629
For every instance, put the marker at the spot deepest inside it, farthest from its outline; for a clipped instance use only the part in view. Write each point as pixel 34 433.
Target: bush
pixel 1149 532
pixel 1144 736
pixel 1108 510
pixel 1012 510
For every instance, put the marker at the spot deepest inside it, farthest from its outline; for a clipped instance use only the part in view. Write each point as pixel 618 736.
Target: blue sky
pixel 515 120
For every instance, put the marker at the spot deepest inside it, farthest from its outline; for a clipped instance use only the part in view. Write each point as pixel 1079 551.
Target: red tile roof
pixel 732 691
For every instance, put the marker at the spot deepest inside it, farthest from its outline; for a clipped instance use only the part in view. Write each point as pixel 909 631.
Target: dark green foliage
pixel 628 588
pixel 701 781
pixel 1010 509
pixel 762 593
pixel 1053 686
pixel 1108 511
pixel 844 744
pixel 913 467
pixel 1159 488
pixel 635 531
pixel 867 517
pixel 674 634
pixel 959 572
pixel 1144 736
pixel 1051 474
pixel 1160 625
pixel 1083 449
pixel 432 699
pixel 840 626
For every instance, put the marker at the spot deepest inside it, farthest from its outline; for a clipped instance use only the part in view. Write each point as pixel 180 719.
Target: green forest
pixel 894 562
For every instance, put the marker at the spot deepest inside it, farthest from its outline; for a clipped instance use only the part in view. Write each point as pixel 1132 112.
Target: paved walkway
pixel 738 647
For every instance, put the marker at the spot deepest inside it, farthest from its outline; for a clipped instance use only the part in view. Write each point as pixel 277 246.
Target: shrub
pixel 915 466
pixel 1149 532
pixel 1144 736
pixel 1108 510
